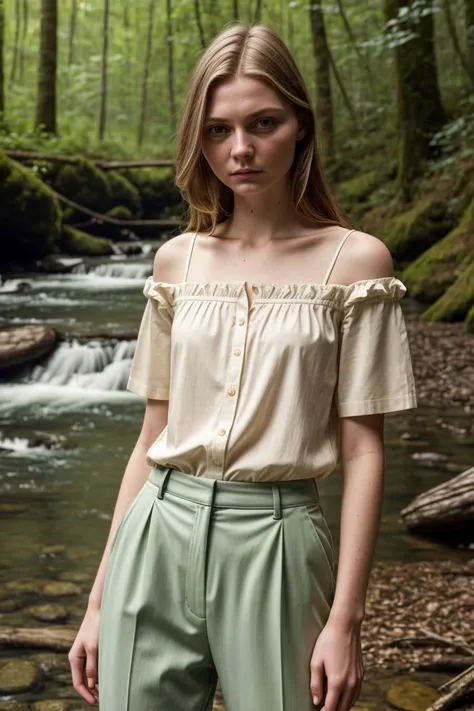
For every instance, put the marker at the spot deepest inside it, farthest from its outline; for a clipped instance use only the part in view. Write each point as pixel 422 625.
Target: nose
pixel 241 146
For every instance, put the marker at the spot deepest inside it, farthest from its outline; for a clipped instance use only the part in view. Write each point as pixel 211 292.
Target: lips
pixel 246 172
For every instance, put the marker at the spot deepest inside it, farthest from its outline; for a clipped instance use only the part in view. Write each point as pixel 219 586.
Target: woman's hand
pixel 336 667
pixel 83 657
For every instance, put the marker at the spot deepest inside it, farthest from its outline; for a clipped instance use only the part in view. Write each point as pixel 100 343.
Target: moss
pixel 456 302
pixel 75 242
pixel 441 265
pixel 86 185
pixel 123 194
pixel 120 213
pixel 29 214
pixel 357 189
pixel 411 233
pixel 157 191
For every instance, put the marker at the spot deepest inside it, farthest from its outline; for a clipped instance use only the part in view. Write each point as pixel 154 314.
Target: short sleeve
pixel 375 370
pixel 150 371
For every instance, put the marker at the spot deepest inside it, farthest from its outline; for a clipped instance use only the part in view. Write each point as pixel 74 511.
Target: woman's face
pixel 249 126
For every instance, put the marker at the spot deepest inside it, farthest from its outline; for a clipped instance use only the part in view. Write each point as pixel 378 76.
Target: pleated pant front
pixel 212 579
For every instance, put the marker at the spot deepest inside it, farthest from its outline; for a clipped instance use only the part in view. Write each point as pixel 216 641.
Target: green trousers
pixel 212 579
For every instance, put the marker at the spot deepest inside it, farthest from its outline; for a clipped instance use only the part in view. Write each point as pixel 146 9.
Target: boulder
pixel 25 344
pixel 72 241
pixel 29 215
pixel 428 277
pixel 17 676
pixel 456 302
pixel 408 235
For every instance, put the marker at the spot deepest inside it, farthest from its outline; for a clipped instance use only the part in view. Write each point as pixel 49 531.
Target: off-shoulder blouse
pixel 256 391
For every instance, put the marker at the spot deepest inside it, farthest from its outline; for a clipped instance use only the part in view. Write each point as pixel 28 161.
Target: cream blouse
pixel 256 391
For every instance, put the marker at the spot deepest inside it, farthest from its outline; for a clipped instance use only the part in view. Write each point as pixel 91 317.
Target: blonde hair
pixel 257 52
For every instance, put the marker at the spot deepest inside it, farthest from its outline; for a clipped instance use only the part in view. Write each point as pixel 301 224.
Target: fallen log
pixel 445 512
pixel 59 639
pixel 102 164
pixel 459 689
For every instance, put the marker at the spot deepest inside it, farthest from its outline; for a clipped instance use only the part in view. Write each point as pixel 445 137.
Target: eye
pixel 210 130
pixel 272 121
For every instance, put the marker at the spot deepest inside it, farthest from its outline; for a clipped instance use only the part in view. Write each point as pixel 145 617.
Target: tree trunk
pixel 235 9
pixel 169 32
pixel 419 109
pixel 197 15
pixel 258 12
pixel 469 13
pixel 24 32
pixel 451 24
pixel 146 73
pixel 16 42
pixel 2 67
pixel 48 59
pixel 103 72
pixel 445 512
pixel 72 33
pixel 363 59
pixel 323 108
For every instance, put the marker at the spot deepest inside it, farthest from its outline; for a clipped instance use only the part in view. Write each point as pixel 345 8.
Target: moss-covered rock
pixel 74 242
pixel 120 213
pixel 29 215
pixel 123 194
pixel 411 233
pixel 86 185
pixel 456 302
pixel 428 277
pixel 358 189
pixel 157 191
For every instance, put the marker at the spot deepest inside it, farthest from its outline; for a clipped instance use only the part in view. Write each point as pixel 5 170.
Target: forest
pixel 91 94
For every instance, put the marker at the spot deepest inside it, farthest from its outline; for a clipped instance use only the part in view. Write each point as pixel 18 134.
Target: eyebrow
pixel 265 110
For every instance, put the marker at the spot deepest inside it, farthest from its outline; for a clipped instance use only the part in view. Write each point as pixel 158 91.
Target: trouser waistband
pixel 234 494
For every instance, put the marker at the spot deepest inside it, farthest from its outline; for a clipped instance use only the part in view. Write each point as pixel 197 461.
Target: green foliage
pixel 29 214
pixel 75 242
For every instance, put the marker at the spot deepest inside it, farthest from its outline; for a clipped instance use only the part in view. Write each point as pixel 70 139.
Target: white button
pixel 231 391
pixel 222 432
pixel 217 462
pixel 237 351
pixel 255 288
pixel 241 321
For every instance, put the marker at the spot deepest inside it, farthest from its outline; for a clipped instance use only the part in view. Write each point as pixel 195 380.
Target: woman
pixel 271 345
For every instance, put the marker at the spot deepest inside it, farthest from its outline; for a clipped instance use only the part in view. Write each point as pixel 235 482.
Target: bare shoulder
pixel 170 259
pixel 364 257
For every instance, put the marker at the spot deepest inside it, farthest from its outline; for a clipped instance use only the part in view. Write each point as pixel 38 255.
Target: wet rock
pixel 12 706
pixel 49 613
pixel 50 441
pixel 25 586
pixel 52 551
pixel 17 676
pixel 60 589
pixel 53 705
pixel 10 605
pixel 25 344
pixel 49 662
pixel 411 696
pixel 52 264
pixel 12 508
pixel 75 576
pixel 429 459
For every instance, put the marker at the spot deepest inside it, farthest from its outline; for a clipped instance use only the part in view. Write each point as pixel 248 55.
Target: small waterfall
pixel 94 365
pixel 116 270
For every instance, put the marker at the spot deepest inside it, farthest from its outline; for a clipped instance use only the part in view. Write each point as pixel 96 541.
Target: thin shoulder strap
pixel 190 252
pixel 334 259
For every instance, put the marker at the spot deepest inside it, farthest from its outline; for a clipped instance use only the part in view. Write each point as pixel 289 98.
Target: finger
pixel 91 668
pixel 77 671
pixel 345 700
pixel 317 683
pixel 355 694
pixel 332 698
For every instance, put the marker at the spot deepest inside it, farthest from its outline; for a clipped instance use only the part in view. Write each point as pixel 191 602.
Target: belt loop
pixel 213 492
pixel 276 501
pixel 161 489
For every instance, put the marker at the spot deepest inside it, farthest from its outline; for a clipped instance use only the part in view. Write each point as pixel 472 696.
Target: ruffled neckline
pixel 342 295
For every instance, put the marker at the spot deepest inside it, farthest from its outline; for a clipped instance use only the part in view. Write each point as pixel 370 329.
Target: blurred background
pixel 90 101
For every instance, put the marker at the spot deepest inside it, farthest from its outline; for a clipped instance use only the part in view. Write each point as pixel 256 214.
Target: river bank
pixel 443 363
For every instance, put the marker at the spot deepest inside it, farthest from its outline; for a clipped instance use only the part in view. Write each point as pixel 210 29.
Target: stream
pixel 56 503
